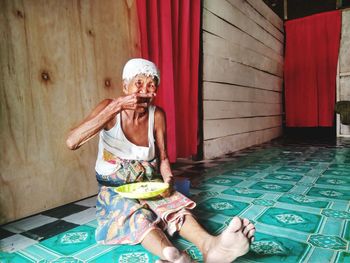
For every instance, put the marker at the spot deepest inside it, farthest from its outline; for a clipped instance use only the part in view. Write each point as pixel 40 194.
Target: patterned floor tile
pixel 126 254
pixel 205 194
pixel 340 166
pixel 15 243
pixel 293 169
pixel 300 221
pixel 337 172
pixel 336 214
pixel 89 202
pixel 344 257
pixel 64 211
pixel 14 258
pixel 328 193
pixel 223 206
pixel 72 241
pixel 328 242
pixel 284 158
pixel 344 182
pixel 256 167
pixel 296 192
pixel 306 164
pixel 82 217
pixel 264 202
pixel 219 180
pixel 268 248
pixel 319 159
pixel 284 177
pixel 4 233
pixel 242 192
pixel 69 259
pixel 237 172
pixel 194 253
pixel 302 200
pixel 40 253
pixel 272 187
pixel 49 230
pixel 347 231
pixel 29 223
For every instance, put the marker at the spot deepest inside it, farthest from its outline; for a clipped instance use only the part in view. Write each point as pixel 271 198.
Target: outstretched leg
pixel 157 243
pixel 171 254
pixel 233 242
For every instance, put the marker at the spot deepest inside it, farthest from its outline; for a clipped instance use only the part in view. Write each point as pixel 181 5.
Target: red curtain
pixel 310 68
pixel 170 35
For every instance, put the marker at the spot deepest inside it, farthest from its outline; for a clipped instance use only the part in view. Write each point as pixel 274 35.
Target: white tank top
pixel 115 142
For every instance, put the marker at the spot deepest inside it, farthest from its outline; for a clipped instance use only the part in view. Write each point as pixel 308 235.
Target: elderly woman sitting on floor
pixel 131 131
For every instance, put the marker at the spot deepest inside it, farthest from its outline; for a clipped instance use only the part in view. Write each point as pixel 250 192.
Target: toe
pixel 251 233
pixel 171 254
pixel 184 258
pixel 247 229
pixel 235 224
pixel 245 222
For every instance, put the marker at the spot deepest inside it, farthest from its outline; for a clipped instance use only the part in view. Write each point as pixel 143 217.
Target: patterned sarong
pixel 128 221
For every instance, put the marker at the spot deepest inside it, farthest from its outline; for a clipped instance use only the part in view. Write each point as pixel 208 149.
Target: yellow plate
pixel 143 190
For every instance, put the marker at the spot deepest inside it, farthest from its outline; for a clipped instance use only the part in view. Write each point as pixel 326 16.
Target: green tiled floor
pixel 297 195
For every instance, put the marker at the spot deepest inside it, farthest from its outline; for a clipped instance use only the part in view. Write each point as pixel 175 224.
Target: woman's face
pixel 141 84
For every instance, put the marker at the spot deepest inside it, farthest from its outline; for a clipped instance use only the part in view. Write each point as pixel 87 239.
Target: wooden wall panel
pixel 242 75
pixel 237 142
pixel 236 109
pixel 267 13
pixel 253 13
pixel 225 127
pixel 230 92
pixel 217 26
pixel 225 70
pixel 232 15
pixel 343 87
pixel 344 94
pixel 344 53
pixel 220 47
pixel 58 59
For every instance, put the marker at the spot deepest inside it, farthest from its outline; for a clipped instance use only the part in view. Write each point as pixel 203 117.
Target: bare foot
pixel 231 244
pixel 248 229
pixel 173 255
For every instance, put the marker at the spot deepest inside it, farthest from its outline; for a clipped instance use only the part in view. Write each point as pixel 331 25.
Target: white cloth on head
pixel 137 66
pixel 115 142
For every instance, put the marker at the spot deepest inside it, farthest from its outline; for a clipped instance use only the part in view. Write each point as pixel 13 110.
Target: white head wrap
pixel 138 66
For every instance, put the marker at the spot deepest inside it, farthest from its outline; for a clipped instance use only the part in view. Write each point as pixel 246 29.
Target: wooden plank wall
pixel 58 59
pixel 343 88
pixel 242 75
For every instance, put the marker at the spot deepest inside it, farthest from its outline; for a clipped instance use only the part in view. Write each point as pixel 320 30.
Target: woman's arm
pixel 103 116
pixel 160 132
pixel 98 119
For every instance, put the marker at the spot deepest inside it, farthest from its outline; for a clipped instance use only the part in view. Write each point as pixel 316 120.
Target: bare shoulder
pixel 159 119
pixel 159 113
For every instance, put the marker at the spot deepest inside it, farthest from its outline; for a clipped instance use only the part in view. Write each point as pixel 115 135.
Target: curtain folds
pixel 310 68
pixel 170 35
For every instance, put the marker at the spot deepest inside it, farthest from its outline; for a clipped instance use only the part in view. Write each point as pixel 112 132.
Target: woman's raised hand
pixel 135 100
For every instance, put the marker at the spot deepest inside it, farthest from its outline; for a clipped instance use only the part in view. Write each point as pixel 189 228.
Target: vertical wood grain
pixel 58 59
pixel 242 75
